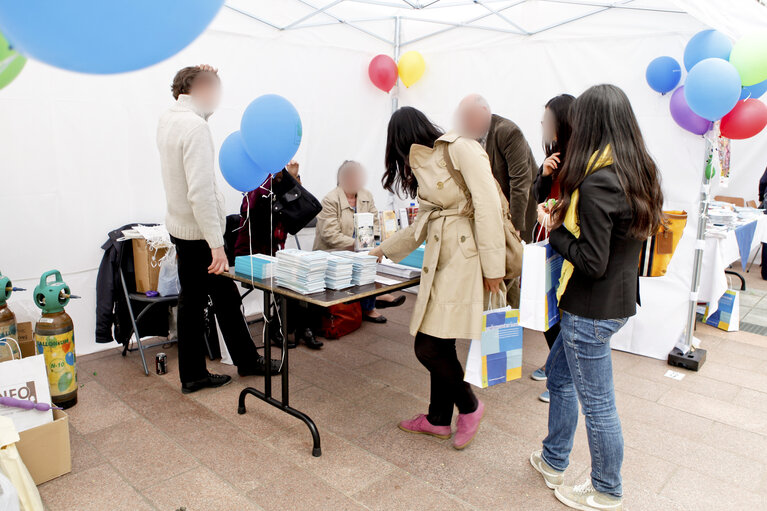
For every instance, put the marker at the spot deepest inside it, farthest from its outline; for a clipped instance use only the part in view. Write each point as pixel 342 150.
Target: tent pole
pixel 397 44
pixel 692 358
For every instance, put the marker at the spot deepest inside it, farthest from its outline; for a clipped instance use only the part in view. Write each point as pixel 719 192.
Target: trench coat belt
pixel 429 212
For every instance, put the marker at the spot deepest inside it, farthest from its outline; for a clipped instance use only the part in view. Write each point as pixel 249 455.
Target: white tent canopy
pixel 78 151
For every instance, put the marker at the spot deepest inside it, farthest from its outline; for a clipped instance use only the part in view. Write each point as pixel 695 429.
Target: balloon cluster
pixel 723 83
pixel 269 136
pixel 383 71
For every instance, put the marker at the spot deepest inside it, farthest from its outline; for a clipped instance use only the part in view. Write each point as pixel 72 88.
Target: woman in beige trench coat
pixel 335 226
pixel 464 259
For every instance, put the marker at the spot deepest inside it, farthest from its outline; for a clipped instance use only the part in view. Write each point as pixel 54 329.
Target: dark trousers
pixel 196 285
pixel 551 335
pixel 764 261
pixel 447 386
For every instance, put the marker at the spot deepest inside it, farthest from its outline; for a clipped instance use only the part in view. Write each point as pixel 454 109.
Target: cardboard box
pixel 146 264
pixel 25 335
pixel 45 450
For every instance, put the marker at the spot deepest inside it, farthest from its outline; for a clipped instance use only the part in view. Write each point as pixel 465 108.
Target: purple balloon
pixel 685 117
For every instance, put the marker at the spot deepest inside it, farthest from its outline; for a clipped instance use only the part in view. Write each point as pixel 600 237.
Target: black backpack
pixel 293 204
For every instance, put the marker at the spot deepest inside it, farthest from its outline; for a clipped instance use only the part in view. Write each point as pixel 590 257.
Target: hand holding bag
pixel 541 268
pixel 293 205
pixel 497 356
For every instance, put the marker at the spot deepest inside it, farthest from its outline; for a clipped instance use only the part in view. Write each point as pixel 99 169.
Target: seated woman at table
pixel 264 237
pixel 335 226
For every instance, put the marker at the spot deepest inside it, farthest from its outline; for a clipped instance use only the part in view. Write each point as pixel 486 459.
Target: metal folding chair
pixel 149 303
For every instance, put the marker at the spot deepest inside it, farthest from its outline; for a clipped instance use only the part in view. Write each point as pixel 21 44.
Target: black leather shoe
pixel 259 368
pixel 382 304
pixel 210 381
pixel 377 319
pixel 309 339
pixel 278 338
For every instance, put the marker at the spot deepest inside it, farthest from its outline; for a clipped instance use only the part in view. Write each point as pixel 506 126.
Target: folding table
pixel 324 298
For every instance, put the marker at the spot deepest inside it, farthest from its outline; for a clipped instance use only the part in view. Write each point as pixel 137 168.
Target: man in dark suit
pixel 511 159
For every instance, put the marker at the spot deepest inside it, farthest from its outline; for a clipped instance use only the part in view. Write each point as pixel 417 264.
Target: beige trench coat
pixel 335 223
pixel 459 250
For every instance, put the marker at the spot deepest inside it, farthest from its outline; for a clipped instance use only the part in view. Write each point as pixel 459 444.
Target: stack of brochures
pixel 415 259
pixel 364 271
pixel 258 266
pixel 398 270
pixel 339 272
pixel 301 271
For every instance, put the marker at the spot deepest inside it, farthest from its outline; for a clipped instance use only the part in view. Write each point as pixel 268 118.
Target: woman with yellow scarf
pixel 610 202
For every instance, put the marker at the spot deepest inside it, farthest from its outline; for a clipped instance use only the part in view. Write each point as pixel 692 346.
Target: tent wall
pixel 79 158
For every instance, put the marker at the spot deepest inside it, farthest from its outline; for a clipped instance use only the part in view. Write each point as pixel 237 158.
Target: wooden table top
pixel 328 297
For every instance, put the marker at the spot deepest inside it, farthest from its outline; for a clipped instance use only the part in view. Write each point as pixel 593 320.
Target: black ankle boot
pixel 307 336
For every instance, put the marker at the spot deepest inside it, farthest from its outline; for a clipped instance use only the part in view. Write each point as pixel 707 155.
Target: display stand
pixel 685 354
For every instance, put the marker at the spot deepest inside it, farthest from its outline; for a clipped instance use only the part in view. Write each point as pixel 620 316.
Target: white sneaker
pixel 551 476
pixel 586 498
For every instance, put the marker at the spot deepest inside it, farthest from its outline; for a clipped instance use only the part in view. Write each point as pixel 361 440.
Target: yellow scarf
pixel 571 216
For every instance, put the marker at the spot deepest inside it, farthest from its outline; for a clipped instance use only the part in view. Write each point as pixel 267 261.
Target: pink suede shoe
pixel 421 425
pixel 467 426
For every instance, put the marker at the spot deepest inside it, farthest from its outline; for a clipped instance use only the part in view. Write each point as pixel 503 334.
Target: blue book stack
pixel 415 259
pixel 257 266
pixel 301 271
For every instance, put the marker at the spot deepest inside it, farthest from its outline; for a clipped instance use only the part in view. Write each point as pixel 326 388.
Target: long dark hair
pixel 600 116
pixel 407 126
pixel 559 106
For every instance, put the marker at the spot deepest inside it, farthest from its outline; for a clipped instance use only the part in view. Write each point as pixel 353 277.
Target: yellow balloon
pixel 411 67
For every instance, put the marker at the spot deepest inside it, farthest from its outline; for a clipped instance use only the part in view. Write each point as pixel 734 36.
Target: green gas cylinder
pixel 55 338
pixel 7 321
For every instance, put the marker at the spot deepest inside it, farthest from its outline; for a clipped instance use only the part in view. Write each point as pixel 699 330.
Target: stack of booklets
pixel 364 271
pixel 339 272
pixel 257 266
pixel 301 271
pixel 415 259
pixel 398 270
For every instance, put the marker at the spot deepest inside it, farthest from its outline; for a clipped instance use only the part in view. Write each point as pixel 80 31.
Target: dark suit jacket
pixel 605 282
pixel 514 168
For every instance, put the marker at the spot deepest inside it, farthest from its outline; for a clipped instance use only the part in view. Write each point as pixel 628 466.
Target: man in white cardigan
pixel 196 221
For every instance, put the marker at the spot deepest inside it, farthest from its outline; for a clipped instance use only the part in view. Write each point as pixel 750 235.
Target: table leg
pixel 267 395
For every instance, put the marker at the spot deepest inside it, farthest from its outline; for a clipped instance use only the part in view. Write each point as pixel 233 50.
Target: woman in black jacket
pixel 556 135
pixel 611 201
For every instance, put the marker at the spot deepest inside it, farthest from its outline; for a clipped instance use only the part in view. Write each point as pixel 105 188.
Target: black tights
pixel 447 386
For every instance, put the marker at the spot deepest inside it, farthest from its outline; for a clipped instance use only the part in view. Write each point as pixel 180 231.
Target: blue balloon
pixel 706 44
pixel 271 129
pixel 104 36
pixel 238 169
pixel 755 91
pixel 663 74
pixel 712 88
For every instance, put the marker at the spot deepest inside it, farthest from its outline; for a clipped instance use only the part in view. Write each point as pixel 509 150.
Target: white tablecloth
pixel 661 319
pixel 719 254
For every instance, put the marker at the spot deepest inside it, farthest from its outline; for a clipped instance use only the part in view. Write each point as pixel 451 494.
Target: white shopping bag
pixel 167 283
pixel 541 267
pixel 25 379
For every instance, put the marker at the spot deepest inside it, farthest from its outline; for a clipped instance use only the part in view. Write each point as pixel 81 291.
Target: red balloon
pixel 745 120
pixel 383 72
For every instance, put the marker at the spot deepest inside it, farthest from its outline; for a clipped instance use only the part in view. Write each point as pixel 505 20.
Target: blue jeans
pixel 579 368
pixel 368 304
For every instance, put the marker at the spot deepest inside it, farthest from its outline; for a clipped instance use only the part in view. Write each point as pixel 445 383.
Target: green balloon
pixel 11 63
pixel 749 56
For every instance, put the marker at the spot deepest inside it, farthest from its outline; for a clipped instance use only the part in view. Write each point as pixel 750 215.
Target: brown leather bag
pixel 514 248
pixel 340 320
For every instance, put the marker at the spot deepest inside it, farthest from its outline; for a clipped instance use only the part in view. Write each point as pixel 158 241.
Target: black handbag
pixel 293 204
